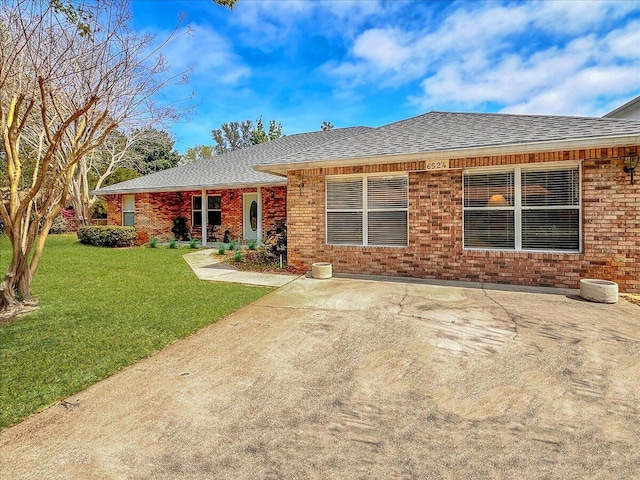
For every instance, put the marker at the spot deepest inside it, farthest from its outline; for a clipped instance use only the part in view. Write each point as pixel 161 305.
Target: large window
pixel 524 208
pixel 214 210
pixel 367 210
pixel 128 211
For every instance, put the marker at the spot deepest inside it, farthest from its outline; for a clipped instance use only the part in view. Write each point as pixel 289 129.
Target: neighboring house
pixel 215 195
pixel 518 199
pixel 629 111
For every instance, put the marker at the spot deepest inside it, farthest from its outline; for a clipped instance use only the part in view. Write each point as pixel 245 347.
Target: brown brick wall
pixel 274 210
pixel 154 212
pixel 611 224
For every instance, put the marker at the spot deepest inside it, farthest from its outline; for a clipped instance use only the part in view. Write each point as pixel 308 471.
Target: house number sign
pixel 436 165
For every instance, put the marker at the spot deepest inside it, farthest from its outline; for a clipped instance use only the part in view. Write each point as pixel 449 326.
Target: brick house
pixel 519 199
pixel 217 195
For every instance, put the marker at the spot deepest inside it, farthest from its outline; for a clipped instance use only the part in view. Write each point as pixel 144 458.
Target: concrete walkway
pixel 208 267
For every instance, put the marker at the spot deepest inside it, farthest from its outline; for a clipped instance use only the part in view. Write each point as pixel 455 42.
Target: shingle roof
pixel 447 132
pixel 232 169
pixel 432 133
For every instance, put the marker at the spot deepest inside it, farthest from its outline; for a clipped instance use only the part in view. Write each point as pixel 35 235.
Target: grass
pixel 100 310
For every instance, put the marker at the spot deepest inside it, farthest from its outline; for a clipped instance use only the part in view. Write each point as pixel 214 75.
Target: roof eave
pixel 623 109
pixel 189 188
pixel 508 149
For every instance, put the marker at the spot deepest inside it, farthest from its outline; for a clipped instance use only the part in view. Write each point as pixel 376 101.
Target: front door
pixel 250 215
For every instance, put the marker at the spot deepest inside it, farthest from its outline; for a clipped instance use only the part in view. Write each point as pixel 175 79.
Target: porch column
pixel 259 215
pixel 205 214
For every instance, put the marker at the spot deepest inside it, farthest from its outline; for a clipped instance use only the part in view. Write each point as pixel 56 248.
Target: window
pixel 525 208
pixel 214 210
pixel 128 210
pixel 367 211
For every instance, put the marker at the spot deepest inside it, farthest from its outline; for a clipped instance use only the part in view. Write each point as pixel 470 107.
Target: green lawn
pixel 100 310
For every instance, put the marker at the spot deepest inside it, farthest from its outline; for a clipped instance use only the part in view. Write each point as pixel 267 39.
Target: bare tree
pixel 63 91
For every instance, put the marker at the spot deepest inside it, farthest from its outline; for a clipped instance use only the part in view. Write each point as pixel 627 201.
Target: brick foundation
pixel 611 226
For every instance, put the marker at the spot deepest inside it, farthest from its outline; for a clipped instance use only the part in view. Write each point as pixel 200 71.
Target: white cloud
pixel 271 24
pixel 625 42
pixel 383 48
pixel 533 57
pixel 209 55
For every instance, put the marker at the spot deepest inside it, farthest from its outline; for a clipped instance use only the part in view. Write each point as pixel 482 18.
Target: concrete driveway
pixel 348 378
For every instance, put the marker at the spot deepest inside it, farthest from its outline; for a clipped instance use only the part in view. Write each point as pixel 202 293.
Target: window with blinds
pixel 367 211
pixel 128 211
pixel 526 208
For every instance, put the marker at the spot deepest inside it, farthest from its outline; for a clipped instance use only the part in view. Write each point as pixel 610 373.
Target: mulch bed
pixel 251 264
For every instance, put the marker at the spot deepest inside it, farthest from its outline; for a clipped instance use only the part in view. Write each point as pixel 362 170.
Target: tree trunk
pixel 9 304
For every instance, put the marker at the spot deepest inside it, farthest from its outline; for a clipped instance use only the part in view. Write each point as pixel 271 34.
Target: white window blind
pixel 551 210
pixel 526 208
pixel 128 210
pixel 489 215
pixel 387 202
pixel 367 210
pixel 344 211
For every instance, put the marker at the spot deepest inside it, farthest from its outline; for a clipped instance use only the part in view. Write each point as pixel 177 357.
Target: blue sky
pixel 372 62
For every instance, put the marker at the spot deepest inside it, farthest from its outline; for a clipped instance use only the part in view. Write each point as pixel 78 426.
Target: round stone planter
pixel 601 291
pixel 321 270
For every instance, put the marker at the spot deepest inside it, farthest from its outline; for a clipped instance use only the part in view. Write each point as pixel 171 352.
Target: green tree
pixel 196 153
pixel 153 151
pixel 326 126
pixel 235 135
pixel 260 136
pixel 120 174
pixel 232 136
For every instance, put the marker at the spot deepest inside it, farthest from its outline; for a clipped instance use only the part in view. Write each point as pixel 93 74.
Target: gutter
pixel 281 169
pixel 189 188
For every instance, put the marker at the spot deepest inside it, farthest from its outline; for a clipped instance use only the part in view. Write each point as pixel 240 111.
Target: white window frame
pixel 202 210
pixel 125 211
pixel 365 208
pixel 517 204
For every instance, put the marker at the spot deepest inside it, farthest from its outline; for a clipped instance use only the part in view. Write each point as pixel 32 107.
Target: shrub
pixel 252 244
pixel 173 243
pixel 192 243
pixel 238 256
pixel 99 209
pixel 233 245
pixel 58 226
pixel 180 229
pixel 153 242
pixel 69 216
pixel 221 249
pixel 107 236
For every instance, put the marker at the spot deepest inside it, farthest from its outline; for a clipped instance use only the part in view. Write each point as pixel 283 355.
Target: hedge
pixel 107 236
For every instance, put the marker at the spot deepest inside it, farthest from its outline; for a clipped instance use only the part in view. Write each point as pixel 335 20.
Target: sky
pixel 373 62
